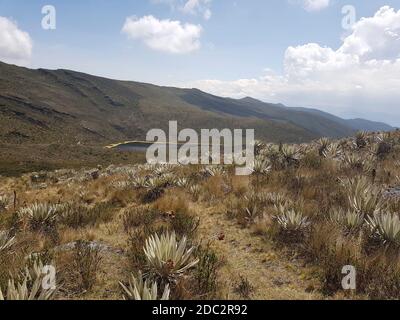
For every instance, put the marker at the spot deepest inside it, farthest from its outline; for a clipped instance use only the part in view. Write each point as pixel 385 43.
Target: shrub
pixel 6 241
pixel 361 139
pixel 363 197
pixel 101 213
pixel 3 203
pixel 136 241
pixel 79 216
pixel 291 220
pixel 244 288
pixel 39 216
pixel 351 221
pixel 155 182
pixel 323 144
pixel 334 151
pixel 386 228
pixel 361 164
pixel 30 288
pixel 152 194
pixel 259 147
pixel 86 263
pixel 213 171
pixel 248 208
pixel 174 201
pixel 252 213
pixel 261 166
pixel 290 156
pixel 383 278
pixel 185 224
pixel 206 272
pixel 311 160
pixel 137 216
pixel 382 149
pixel 194 191
pixel 290 225
pixel 182 183
pixel 333 257
pixel 275 199
pixel 166 257
pixel 74 216
pixel 138 289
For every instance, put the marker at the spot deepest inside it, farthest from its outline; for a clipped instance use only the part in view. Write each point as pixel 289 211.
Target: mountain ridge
pixel 65 106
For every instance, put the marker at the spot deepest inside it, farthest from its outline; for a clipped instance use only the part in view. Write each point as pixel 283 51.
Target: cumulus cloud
pixel 315 5
pixel 15 44
pixel 194 7
pixel 360 77
pixel 164 35
pixel 377 37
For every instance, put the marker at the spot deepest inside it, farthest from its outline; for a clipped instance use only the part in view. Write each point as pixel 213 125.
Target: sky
pixel 342 57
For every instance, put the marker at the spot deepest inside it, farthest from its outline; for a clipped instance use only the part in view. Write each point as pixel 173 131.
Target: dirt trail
pixel 273 276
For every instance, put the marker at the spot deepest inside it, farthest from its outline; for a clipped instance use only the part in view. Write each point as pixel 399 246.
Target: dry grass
pixel 268 236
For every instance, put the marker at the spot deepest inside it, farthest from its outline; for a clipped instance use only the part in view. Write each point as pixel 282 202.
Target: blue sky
pixel 235 48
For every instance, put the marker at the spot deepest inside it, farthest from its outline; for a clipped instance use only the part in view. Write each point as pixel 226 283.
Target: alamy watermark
pixel 49 279
pixel 49 21
pixel 186 147
pixel 349 17
pixel 349 281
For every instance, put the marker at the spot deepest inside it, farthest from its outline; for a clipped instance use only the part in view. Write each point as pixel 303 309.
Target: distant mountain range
pixel 62 106
pixel 355 124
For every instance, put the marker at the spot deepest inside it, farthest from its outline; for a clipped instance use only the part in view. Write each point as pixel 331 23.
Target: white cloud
pixel 15 44
pixel 375 38
pixel 361 77
pixel 315 5
pixel 164 35
pixel 198 6
pixel 194 7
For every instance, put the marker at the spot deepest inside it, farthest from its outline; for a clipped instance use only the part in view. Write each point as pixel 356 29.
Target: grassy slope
pixel 39 106
pixel 17 159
